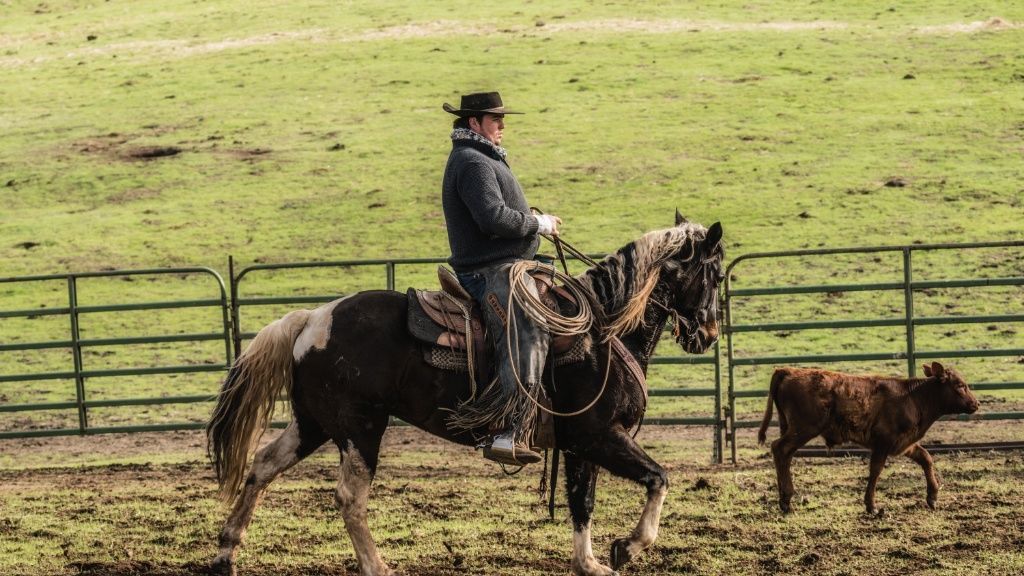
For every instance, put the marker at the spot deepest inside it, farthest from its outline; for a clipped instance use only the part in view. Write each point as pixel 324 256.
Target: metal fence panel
pixel 83 376
pixel 347 276
pixel 909 319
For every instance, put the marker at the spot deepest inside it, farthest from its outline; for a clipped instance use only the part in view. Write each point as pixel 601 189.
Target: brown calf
pixel 885 415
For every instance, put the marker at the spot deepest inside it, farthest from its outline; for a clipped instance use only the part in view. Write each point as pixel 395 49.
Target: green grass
pixel 314 132
pixel 161 517
pixel 751 126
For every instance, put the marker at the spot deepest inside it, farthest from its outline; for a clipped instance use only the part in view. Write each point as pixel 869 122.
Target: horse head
pixel 693 276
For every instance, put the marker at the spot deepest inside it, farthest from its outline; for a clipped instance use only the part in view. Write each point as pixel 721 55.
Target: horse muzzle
pixel 697 338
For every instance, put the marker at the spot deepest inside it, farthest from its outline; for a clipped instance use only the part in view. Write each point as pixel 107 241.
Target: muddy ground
pixel 120 505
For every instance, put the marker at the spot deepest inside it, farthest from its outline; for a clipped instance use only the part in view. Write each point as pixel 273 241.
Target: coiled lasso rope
pixel 519 284
pixel 557 324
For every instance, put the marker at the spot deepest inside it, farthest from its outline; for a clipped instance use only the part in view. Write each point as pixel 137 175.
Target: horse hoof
pixel 620 553
pixel 785 507
pixel 592 568
pixel 223 567
pixel 931 503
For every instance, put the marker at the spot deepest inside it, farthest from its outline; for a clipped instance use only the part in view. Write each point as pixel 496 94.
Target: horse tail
pixel 246 401
pixel 773 389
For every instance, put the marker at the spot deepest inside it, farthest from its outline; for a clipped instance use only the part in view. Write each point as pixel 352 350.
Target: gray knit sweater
pixel 488 219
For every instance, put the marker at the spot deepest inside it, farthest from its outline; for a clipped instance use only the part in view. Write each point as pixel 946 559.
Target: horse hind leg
pixel 285 451
pixel 358 465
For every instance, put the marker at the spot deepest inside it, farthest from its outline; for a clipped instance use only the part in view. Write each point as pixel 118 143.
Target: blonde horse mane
pixel 628 288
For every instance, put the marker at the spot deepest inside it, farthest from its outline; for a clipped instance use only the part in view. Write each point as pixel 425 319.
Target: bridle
pixel 705 306
pixel 561 246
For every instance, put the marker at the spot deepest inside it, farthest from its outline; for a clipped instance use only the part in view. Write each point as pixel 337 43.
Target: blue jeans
pixel 520 359
pixel 474 283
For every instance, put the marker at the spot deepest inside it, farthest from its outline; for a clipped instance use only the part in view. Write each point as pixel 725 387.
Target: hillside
pixel 310 131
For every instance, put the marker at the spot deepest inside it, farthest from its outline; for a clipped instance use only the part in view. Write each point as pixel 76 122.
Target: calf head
pixel 954 395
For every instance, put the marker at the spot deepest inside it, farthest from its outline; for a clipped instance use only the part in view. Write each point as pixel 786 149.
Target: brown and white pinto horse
pixel 350 364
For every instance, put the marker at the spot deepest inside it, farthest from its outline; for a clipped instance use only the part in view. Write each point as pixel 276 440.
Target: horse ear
pixel 714 236
pixel 938 370
pixel 927 370
pixel 680 219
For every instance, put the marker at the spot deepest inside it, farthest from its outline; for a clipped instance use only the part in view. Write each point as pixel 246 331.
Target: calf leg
pixel 358 465
pixel 285 451
pixel 618 453
pixel 783 450
pixel 878 458
pixel 918 454
pixel 580 482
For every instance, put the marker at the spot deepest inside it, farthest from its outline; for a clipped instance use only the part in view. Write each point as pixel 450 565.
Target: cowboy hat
pixel 479 103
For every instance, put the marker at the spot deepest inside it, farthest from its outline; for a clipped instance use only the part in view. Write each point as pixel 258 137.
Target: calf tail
pixel 773 389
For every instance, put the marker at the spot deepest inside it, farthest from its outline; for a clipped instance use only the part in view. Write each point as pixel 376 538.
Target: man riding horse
pixel 490 227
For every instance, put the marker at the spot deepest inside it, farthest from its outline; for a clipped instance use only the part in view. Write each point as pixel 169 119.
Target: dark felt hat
pixel 479 103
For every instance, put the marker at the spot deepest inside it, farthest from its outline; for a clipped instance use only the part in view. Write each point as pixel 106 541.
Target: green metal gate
pixel 280 295
pixel 905 319
pixel 74 368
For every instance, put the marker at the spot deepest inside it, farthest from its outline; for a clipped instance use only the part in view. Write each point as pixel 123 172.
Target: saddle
pixel 450 317
pixel 450 323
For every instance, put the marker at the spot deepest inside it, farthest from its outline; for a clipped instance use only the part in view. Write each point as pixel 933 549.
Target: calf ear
pixel 927 370
pixel 938 370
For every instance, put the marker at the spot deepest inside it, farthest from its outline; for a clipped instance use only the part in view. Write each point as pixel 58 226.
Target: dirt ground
pixel 119 505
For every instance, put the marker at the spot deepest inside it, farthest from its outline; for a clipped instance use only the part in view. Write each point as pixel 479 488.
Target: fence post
pixel 730 409
pixel 717 450
pixel 389 267
pixel 76 355
pixel 236 329
pixel 908 299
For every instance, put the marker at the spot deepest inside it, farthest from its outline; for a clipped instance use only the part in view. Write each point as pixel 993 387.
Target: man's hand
pixel 547 224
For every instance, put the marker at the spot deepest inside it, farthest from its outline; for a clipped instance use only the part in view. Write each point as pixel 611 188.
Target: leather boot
pixel 505 450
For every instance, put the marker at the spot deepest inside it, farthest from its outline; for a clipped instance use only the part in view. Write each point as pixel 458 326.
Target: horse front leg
pixel 618 453
pixel 580 481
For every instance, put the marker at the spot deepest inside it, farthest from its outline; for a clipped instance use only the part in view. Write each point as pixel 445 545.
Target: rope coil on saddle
pixel 557 324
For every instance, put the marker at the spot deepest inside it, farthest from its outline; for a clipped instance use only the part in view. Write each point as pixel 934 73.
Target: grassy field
pixel 147 134
pixel 314 132
pixel 436 509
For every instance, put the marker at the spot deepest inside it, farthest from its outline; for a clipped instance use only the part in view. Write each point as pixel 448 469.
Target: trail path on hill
pixel 184 48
